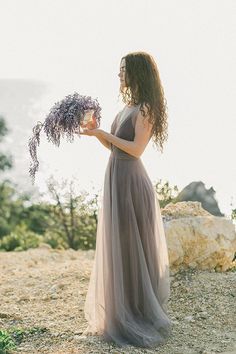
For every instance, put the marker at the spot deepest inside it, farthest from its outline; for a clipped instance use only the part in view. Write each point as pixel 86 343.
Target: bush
pixel 20 239
pixel 55 240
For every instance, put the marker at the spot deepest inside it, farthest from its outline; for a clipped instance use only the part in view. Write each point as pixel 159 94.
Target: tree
pixel 5 161
pixel 11 207
pixel 73 218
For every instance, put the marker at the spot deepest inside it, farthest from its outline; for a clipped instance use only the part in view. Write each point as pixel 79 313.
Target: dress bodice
pixel 123 127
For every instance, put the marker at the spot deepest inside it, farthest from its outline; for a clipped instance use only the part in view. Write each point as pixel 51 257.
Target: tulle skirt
pixel 129 286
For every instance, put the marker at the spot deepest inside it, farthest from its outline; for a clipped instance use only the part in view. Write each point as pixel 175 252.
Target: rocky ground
pixel 43 292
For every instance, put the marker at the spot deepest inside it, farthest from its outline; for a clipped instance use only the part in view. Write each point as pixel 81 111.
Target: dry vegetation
pixel 46 288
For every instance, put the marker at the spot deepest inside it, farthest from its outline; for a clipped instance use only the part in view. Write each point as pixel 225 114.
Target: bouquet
pixel 65 118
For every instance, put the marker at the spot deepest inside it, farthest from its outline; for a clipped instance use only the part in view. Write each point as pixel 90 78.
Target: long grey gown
pixel 129 284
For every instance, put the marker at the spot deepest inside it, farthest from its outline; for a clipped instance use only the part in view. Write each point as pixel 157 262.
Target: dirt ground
pixel 46 288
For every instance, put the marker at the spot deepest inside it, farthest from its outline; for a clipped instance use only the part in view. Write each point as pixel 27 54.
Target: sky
pixel 77 45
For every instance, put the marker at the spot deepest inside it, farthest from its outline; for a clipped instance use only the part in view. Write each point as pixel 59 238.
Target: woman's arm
pixel 105 142
pixel 142 136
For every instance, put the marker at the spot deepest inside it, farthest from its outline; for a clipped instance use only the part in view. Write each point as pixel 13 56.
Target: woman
pixel 129 284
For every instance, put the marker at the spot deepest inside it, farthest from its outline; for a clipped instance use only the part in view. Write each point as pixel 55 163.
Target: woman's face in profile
pixel 122 74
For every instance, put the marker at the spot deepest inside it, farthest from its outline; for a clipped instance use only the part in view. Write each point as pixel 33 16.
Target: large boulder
pixel 197 191
pixel 198 239
pixel 183 209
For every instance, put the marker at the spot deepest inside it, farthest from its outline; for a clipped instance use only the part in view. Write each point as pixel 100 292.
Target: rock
pixel 44 245
pixel 197 191
pixel 189 318
pixel 54 288
pixel 56 334
pixel 4 315
pixel 90 254
pixel 184 209
pixel 23 298
pixel 175 284
pixel 203 242
pixel 202 315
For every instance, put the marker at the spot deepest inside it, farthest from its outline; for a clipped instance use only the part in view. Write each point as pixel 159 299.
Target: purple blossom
pixel 63 119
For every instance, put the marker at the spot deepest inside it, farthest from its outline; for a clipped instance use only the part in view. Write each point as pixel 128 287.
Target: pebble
pixel 189 318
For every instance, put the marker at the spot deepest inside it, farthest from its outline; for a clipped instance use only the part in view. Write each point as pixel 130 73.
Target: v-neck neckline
pixel 118 128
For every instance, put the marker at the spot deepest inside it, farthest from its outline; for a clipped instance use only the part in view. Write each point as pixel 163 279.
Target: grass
pixel 9 339
pixel 6 342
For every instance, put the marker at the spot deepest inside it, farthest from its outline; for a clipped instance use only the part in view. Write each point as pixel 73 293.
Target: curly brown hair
pixel 143 86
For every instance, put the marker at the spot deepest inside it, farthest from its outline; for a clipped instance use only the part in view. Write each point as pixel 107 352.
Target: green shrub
pixel 54 239
pixel 20 239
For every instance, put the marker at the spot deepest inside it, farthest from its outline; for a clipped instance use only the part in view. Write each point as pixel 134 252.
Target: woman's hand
pixel 91 132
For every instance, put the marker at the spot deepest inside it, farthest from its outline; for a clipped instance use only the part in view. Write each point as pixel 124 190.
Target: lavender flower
pixel 63 119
